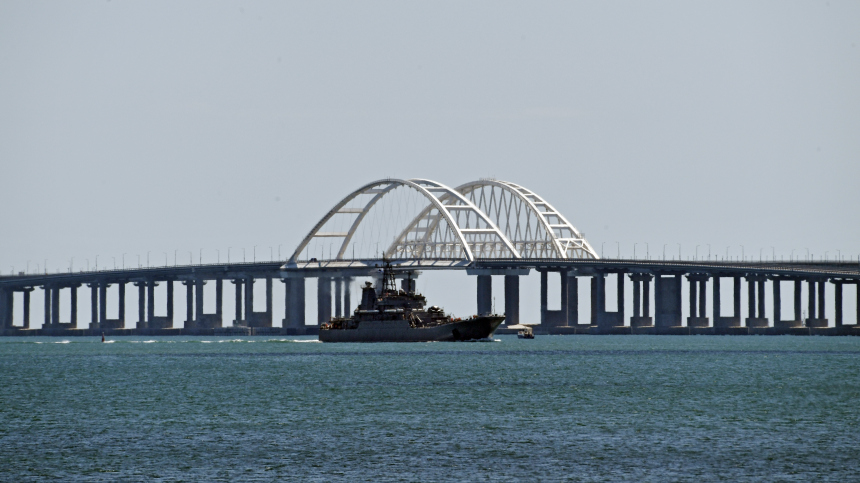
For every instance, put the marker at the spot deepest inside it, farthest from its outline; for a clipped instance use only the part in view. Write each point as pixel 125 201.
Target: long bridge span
pixel 486 228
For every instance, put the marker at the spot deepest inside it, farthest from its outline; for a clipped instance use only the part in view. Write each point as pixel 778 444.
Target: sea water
pixel 556 408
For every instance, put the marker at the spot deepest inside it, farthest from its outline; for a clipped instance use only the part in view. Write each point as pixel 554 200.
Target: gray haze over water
pixel 162 128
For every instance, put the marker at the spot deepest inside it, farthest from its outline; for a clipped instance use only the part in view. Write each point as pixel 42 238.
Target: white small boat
pixel 524 331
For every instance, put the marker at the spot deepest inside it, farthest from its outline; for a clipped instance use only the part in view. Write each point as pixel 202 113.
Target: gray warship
pixel 392 315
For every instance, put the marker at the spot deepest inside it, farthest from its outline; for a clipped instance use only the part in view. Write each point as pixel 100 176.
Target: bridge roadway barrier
pixel 660 282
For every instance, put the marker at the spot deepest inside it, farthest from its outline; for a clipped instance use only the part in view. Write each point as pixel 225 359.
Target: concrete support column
pixel 26 309
pixel 637 309
pixel 287 288
pixel 837 289
pixel 55 306
pixel 219 298
pixel 703 298
pixel 821 301
pixel 169 301
pixel 121 315
pixel 103 302
pixel 564 301
pixel 572 299
pixel 693 298
pixel 47 323
pixel 249 301
pixel 646 297
pixel 485 294
pixel 658 296
pixel 198 296
pixel 94 308
pixel 189 303
pixel 512 299
pixel 736 302
pixel 751 305
pixel 141 304
pixel 5 319
pixel 777 303
pixel 620 297
pixel 73 317
pixel 715 296
pixel 798 287
pixel 347 303
pixel 296 303
pixel 761 313
pixel 150 302
pixel 811 298
pixel 338 297
pixel 323 300
pixel 238 284
pixel 543 297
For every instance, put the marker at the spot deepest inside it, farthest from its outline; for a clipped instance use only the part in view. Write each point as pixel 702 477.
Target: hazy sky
pixel 128 127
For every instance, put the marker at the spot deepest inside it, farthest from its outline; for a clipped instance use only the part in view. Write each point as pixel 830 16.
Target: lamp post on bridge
pixel 243 254
pixel 617 245
pixel 228 254
pixel 791 257
pixel 114 263
pixel 147 259
pixel 123 261
pixel 664 251
pixel 96 267
pixel 679 252
pixel 772 253
pixel 601 248
pixel 255 253
pixel 634 251
pixel 709 252
pixel 743 255
pixel 200 259
pixel 218 252
pixel 165 258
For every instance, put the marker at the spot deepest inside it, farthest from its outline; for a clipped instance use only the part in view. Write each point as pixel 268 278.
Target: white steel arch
pixel 435 212
pixel 534 226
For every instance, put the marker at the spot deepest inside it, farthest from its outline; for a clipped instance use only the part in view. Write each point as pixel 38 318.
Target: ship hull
pixel 400 331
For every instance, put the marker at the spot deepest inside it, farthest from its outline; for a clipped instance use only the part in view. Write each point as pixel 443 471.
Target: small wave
pixel 143 341
pixel 109 341
pixel 61 342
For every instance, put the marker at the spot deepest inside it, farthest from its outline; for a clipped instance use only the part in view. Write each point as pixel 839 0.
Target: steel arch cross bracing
pixel 536 225
pixel 427 188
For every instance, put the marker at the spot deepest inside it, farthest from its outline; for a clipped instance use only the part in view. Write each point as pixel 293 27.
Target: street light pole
pixel 123 261
pixel 664 251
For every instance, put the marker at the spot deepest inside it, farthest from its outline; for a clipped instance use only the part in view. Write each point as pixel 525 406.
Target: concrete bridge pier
pixel 816 299
pixel 485 294
pixel 757 317
pixel 347 302
pixel 294 303
pixel 25 324
pixel 512 299
pixel 238 321
pixel 7 301
pixel 338 297
pixel 641 300
pixel 512 294
pixel 777 303
pixel 667 300
pixel 600 317
pixel 323 299
pixel 141 304
pixel 698 300
pixel 257 319
pixel 54 295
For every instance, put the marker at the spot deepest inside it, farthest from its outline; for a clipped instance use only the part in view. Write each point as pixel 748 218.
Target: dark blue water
pixel 576 408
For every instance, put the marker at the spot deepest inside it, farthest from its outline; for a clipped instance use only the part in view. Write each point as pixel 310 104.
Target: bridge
pixel 486 228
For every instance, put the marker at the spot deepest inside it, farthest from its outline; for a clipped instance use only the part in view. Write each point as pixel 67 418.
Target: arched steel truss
pixel 481 219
